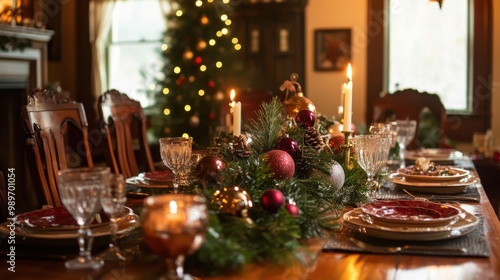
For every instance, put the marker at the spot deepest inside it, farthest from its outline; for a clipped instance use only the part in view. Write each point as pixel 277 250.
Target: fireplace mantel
pixel 15 63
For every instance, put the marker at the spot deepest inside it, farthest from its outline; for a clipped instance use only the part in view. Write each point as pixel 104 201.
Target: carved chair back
pixel 410 104
pixel 124 125
pixel 56 138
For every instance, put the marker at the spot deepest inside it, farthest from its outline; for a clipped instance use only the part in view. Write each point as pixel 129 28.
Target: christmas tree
pixel 200 53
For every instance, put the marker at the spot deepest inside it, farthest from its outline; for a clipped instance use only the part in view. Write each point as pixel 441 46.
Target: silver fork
pixel 397 249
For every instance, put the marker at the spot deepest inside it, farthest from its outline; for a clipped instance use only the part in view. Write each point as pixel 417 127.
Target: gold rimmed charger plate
pixel 358 221
pixel 460 173
pixel 436 187
pixel 125 224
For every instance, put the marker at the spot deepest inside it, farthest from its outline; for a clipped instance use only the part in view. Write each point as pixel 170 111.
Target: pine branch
pixel 267 127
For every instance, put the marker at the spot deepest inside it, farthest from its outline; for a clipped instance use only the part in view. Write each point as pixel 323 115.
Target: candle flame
pixel 232 95
pixel 349 73
pixel 173 207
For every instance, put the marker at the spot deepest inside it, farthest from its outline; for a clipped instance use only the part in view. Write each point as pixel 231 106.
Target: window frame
pixel 459 125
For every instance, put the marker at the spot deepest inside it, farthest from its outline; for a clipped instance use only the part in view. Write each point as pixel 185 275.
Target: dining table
pixel 320 258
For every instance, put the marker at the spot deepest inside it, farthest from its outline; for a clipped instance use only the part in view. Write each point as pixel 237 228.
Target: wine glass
pixel 174 226
pixel 386 128
pixel 406 133
pixel 372 151
pixel 176 155
pixel 80 190
pixel 113 198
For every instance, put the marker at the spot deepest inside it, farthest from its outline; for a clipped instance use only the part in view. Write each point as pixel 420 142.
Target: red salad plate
pixel 158 177
pixel 54 218
pixel 411 212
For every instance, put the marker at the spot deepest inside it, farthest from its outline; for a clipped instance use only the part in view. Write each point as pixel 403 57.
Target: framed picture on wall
pixel 332 49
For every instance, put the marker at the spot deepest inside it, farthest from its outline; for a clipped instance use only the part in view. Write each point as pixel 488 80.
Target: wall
pixel 323 88
pixel 63 70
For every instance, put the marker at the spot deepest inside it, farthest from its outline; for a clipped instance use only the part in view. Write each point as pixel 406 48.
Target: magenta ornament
pixel 288 145
pixel 305 118
pixel 272 200
pixel 208 170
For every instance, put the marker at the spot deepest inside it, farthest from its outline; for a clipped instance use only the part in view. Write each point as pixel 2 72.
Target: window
pixel 428 49
pixel 134 51
pixel 460 125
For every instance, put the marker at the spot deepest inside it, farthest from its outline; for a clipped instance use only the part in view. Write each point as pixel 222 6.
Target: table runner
pixel 475 243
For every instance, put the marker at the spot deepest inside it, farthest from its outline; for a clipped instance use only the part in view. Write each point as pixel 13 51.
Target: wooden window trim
pixel 459 126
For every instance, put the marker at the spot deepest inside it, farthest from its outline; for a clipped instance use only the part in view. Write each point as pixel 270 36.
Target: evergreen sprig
pixel 234 241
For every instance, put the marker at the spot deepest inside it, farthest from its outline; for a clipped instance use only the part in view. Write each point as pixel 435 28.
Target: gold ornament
pixel 188 54
pixel 298 101
pixel 232 200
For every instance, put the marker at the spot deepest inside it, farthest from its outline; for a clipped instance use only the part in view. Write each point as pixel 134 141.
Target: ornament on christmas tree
pixel 305 118
pixel 272 200
pixel 298 101
pixel 288 145
pixel 232 200
pixel 337 175
pixel 292 208
pixel 335 143
pixel 208 170
pixel 281 164
pixel 194 120
pixel 188 54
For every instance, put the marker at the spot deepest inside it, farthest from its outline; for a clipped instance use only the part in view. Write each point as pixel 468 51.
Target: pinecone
pixel 313 138
pixel 240 146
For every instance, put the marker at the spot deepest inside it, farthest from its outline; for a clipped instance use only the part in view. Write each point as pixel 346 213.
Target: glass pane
pixel 428 49
pixel 137 20
pixel 133 68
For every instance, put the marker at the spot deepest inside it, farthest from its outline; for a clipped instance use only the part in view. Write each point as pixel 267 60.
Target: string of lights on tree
pixel 200 53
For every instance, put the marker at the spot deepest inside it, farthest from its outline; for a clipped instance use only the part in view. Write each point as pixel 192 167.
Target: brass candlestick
pixel 347 147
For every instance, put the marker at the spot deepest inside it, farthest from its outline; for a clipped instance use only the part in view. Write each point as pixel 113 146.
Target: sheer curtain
pixel 101 12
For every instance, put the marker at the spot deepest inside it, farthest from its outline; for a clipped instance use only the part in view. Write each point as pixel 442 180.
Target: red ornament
pixel 198 60
pixel 180 80
pixel 336 143
pixel 305 118
pixel 292 209
pixel 272 200
pixel 208 170
pixel 281 164
pixel 288 145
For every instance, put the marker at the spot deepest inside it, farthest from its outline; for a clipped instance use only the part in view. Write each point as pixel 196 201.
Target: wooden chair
pixel 56 138
pixel 423 107
pixel 3 199
pixel 124 125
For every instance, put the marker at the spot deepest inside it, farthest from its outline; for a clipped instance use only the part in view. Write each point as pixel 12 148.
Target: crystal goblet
pixel 372 151
pixel 80 190
pixel 406 133
pixel 176 155
pixel 113 199
pixel 174 226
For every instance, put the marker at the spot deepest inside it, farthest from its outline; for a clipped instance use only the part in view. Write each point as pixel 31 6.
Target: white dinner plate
pixel 358 221
pixel 459 173
pixel 139 181
pixel 438 187
pixel 436 155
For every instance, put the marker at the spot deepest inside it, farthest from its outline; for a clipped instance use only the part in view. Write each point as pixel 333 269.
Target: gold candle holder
pixel 348 149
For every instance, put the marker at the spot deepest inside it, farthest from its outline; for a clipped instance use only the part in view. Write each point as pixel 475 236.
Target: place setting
pixel 431 181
